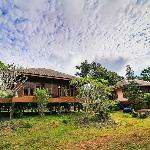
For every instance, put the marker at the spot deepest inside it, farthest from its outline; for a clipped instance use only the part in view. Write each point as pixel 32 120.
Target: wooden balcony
pixel 30 99
pixel 5 100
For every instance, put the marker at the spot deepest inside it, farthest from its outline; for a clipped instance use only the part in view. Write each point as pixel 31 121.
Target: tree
pixel 94 95
pixel 97 71
pixel 145 74
pixel 132 89
pixel 11 80
pixel 134 95
pixel 41 97
pixel 2 65
pixel 84 69
pixel 129 73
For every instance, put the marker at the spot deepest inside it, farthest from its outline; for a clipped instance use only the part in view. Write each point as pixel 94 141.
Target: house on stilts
pixel 58 84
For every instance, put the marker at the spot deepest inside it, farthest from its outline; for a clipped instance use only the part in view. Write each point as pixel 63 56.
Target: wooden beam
pixel 28 88
pixel 44 76
pixel 22 89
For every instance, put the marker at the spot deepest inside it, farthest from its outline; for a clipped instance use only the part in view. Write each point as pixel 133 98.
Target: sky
pixel 60 34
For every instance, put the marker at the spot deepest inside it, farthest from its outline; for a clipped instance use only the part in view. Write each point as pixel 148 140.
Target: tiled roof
pixel 48 72
pixel 125 82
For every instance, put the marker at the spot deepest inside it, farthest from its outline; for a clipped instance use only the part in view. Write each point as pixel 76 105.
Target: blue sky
pixel 60 34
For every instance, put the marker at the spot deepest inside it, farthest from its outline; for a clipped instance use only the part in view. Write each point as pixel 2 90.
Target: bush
pixel 116 106
pixel 65 121
pixel 42 97
pixel 146 100
pixel 146 97
pixel 134 115
pixel 5 94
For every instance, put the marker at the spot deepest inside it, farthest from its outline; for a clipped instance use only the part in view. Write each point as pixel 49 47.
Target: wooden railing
pixel 30 99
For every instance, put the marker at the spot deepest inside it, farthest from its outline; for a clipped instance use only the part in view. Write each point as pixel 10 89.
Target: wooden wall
pixel 51 84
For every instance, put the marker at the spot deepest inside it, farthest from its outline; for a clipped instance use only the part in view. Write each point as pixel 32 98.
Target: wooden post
pixel 74 106
pixel 28 88
pixel 69 90
pixel 34 89
pixel 22 89
pixel 12 110
pixel 78 107
pixel 52 87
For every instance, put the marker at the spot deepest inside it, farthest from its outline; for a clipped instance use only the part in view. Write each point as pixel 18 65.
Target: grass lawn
pixel 58 132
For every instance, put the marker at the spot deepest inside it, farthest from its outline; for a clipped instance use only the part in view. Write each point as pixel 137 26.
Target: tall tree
pixel 145 74
pixel 132 89
pixel 129 73
pixel 84 69
pixel 97 71
pixel 134 94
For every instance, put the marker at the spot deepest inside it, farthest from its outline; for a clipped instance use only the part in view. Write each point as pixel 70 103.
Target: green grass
pixel 59 132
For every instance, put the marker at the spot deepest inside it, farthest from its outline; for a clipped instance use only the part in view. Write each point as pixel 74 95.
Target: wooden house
pixel 57 83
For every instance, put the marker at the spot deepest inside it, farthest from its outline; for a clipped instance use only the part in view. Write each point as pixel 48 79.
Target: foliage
pixel 134 95
pixel 42 97
pixel 97 71
pixel 2 65
pixel 84 69
pixel 11 78
pixel 5 93
pixel 132 90
pixel 129 73
pixel 146 97
pixel 115 106
pixel 94 95
pixel 145 74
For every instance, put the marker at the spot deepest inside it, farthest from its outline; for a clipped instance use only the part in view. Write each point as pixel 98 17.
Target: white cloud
pixel 61 33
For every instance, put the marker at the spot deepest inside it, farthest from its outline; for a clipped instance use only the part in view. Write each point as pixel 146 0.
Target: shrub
pixel 42 97
pixel 116 106
pixel 146 97
pixel 5 94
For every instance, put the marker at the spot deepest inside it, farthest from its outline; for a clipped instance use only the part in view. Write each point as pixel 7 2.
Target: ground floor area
pixel 11 107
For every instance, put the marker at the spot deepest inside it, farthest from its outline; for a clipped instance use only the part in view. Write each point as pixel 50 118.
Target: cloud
pixel 59 34
pixel 114 64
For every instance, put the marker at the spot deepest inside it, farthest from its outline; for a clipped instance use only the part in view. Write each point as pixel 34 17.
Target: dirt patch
pixel 99 143
pixel 117 141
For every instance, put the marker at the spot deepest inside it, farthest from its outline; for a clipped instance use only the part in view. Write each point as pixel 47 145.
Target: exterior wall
pixel 54 86
pixel 120 95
